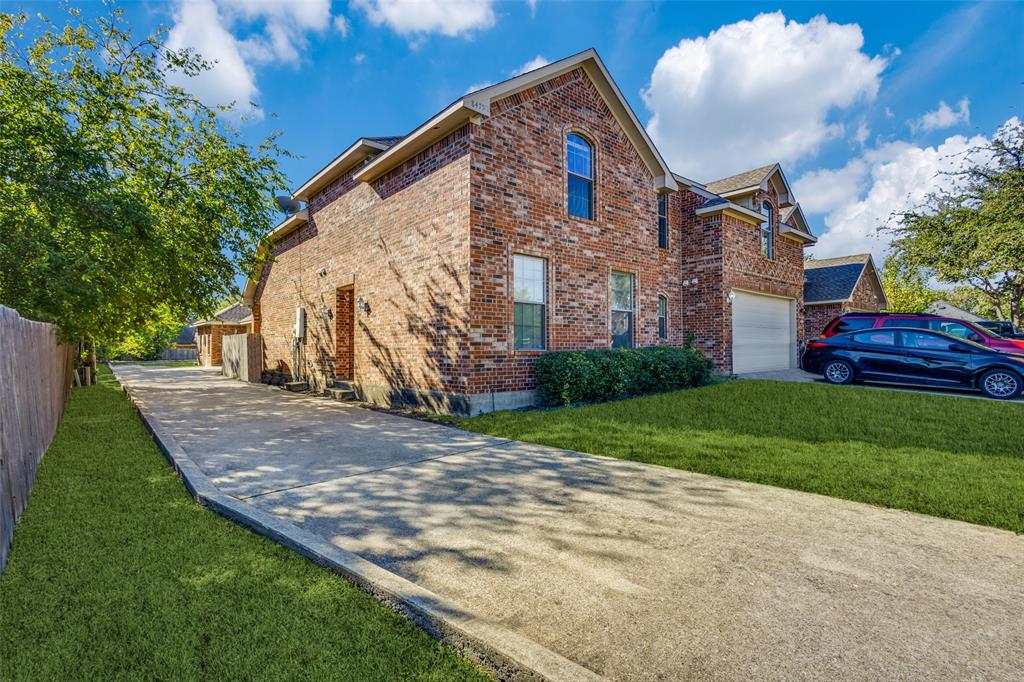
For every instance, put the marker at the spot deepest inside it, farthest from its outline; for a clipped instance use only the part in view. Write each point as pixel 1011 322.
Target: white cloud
pixel 198 25
pixel 359 58
pixel 943 117
pixel 755 92
pixel 534 63
pixel 342 25
pixel 862 134
pixel 861 197
pixel 419 17
pixel 237 36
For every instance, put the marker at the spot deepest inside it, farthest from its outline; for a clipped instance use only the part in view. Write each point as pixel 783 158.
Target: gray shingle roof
pixel 187 335
pixel 233 314
pixel 740 180
pixel 832 279
pixel 388 141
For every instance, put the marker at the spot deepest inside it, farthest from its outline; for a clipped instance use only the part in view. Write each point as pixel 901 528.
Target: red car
pixel 965 330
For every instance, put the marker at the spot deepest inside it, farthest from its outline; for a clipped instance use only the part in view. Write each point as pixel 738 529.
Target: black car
pixel 915 356
pixel 1002 327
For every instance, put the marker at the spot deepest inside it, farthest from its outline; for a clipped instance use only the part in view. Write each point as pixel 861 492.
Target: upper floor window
pixel 663 221
pixel 530 294
pixel 767 231
pixel 662 317
pixel 579 161
pixel 622 310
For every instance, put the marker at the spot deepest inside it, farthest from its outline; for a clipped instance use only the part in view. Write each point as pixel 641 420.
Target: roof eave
pixel 734 210
pixel 348 159
pixel 448 121
pixel 799 235
pixel 834 300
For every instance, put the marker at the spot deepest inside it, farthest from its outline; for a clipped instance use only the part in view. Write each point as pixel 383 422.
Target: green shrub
pixel 585 376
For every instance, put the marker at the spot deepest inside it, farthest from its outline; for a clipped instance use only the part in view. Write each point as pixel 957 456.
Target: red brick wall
pixel 209 342
pixel 344 367
pixel 724 253
pixel 816 317
pixel 402 244
pixel 518 205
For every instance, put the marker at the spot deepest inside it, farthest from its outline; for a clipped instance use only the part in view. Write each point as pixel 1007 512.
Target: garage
pixel 763 330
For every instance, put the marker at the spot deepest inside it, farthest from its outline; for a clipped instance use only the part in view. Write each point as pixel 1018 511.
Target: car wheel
pixel 837 372
pixel 1002 384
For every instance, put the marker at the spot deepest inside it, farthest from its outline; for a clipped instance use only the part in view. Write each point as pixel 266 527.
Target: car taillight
pixel 817 344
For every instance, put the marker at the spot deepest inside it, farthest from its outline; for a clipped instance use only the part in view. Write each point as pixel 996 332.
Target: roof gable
pixel 478 104
pixel 834 279
pixel 753 180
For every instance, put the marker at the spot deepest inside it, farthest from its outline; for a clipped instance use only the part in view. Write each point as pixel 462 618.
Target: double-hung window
pixel 530 294
pixel 662 317
pixel 663 221
pixel 579 159
pixel 767 231
pixel 622 310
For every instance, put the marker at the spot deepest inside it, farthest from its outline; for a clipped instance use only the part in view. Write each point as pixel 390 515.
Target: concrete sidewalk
pixel 632 571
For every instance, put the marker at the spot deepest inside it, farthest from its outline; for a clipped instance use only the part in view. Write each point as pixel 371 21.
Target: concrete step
pixel 344 385
pixel 297 386
pixel 340 393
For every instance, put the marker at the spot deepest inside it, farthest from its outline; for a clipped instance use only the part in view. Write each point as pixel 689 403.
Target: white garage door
pixel 762 333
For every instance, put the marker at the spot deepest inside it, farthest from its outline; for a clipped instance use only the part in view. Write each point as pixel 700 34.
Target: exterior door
pixel 762 333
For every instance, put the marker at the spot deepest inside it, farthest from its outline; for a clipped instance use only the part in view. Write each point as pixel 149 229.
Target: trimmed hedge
pixel 586 376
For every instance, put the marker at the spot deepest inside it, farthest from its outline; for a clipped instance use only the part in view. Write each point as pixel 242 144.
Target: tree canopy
pixel 972 234
pixel 906 288
pixel 124 199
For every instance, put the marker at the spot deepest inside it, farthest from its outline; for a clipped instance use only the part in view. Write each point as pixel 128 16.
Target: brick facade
pixel 406 280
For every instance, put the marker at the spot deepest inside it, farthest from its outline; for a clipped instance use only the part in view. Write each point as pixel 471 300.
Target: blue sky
pixel 863 103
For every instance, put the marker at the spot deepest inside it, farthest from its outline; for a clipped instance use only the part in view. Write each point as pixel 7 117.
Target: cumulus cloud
pixel 755 92
pixel 535 63
pixel 198 25
pixel 237 36
pixel 860 197
pixel 419 17
pixel 943 117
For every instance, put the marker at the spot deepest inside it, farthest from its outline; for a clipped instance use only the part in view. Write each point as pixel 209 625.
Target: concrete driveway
pixel 635 572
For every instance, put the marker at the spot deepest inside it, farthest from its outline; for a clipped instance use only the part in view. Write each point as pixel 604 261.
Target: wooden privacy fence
pixel 241 357
pixel 177 354
pixel 35 379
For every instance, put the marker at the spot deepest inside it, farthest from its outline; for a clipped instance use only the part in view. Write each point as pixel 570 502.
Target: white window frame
pixel 522 296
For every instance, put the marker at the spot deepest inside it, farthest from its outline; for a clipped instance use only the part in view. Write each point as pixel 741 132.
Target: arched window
pixel 662 317
pixel 767 231
pixel 579 161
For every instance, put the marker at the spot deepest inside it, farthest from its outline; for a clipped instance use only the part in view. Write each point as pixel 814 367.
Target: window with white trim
pixel 579 162
pixel 663 221
pixel 622 309
pixel 662 317
pixel 530 295
pixel 767 231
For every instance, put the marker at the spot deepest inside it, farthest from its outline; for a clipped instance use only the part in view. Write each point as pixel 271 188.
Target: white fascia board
pixel 735 210
pixel 343 162
pixel 449 120
pixel 786 230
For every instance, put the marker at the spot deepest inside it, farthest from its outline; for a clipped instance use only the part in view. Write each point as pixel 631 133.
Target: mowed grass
pixel 116 573
pixel 940 455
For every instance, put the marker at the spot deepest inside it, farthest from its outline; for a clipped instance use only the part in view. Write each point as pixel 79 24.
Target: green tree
pixel 124 198
pixel 145 342
pixel 906 287
pixel 972 234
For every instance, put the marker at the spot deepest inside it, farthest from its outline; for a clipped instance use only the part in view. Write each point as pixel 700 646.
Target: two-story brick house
pixel 531 215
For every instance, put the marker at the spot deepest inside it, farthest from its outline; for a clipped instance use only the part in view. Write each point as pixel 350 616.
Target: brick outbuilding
pixel 233 319
pixel 529 216
pixel 834 286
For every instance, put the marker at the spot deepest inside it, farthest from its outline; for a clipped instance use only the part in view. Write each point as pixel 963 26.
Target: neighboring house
pixel 834 286
pixel 947 309
pixel 532 215
pixel 234 319
pixel 182 346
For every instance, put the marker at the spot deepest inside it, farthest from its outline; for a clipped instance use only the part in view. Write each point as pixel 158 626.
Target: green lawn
pixel 940 455
pixel 116 573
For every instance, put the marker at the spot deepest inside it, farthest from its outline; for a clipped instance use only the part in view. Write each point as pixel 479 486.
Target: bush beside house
pixel 567 377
